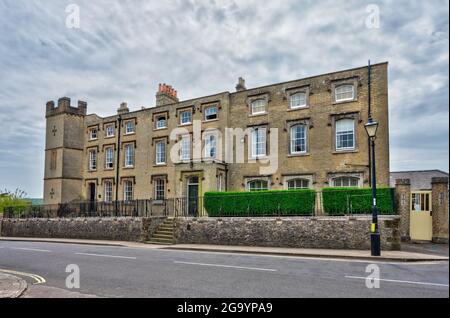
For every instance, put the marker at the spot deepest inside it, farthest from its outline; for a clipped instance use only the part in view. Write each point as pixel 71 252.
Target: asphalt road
pixel 107 271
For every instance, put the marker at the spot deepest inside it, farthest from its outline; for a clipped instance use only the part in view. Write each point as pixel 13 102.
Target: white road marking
pixel 104 255
pixel 37 278
pixel 399 281
pixel 30 249
pixel 229 266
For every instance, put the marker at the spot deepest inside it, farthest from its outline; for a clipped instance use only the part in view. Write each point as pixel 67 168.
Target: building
pixel 302 133
pixel 419 179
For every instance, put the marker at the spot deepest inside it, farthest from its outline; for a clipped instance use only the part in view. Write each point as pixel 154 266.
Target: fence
pixel 329 201
pixel 134 208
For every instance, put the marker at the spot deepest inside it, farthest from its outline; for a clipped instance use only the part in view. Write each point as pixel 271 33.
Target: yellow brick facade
pixel 68 177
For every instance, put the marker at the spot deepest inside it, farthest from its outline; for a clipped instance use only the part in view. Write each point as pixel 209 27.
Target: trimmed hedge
pixel 339 201
pixel 260 203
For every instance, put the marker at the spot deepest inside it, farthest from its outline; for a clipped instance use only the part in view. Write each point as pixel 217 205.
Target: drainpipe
pixel 369 101
pixel 119 120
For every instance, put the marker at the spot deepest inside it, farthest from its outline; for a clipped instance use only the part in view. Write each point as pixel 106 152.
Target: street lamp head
pixel 371 128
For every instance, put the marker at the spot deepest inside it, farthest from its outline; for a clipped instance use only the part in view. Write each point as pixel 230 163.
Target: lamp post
pixel 371 129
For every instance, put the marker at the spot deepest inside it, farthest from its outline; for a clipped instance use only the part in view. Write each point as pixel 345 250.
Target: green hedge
pixel 260 203
pixel 338 201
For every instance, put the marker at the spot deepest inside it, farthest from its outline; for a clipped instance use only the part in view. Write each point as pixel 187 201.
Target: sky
pixel 121 50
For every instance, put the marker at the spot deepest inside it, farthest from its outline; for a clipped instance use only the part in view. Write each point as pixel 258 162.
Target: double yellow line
pixel 37 278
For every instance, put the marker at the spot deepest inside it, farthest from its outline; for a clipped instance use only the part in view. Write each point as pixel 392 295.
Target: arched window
pixel 257 185
pixel 346 182
pixel 298 139
pixel 344 92
pixel 298 100
pixel 345 134
pixel 298 184
pixel 258 106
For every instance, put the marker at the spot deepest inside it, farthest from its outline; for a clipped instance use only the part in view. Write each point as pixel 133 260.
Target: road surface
pixel 108 271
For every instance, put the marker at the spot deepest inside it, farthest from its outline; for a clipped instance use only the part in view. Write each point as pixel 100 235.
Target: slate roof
pixel 420 180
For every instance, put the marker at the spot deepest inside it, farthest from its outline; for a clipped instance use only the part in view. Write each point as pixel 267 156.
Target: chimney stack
pixel 123 109
pixel 166 95
pixel 241 85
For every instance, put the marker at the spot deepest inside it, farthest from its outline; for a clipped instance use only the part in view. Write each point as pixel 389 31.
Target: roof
pixel 420 179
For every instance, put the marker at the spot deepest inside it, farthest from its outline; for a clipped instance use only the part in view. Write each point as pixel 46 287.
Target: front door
pixel 421 221
pixel 192 196
pixel 92 197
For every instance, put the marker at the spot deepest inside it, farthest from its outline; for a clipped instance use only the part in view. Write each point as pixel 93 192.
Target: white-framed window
pixel 259 142
pixel 298 183
pixel 161 122
pixel 257 185
pixel 210 146
pixel 110 130
pixel 160 189
pixel 185 117
pixel 109 158
pixel 298 139
pixel 345 134
pixel 130 127
pixel 344 92
pixel 298 100
pixel 93 133
pixel 211 113
pixel 92 159
pixel 258 106
pixel 185 150
pixel 108 191
pixel 160 152
pixel 129 156
pixel 127 190
pixel 345 182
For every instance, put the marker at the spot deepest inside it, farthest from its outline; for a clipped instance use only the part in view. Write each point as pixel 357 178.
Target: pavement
pixel 148 271
pixel 410 255
pixel 11 286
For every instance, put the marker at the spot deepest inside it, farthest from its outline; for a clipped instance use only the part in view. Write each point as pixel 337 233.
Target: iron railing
pixel 134 208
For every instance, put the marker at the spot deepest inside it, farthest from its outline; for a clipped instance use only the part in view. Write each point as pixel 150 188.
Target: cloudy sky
pixel 123 49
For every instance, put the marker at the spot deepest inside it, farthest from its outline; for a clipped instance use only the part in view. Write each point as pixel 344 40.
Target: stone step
pixel 162 235
pixel 159 242
pixel 168 232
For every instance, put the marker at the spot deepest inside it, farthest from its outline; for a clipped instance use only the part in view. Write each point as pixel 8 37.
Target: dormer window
pixel 344 93
pixel 93 133
pixel 161 122
pixel 298 100
pixel 258 106
pixel 129 127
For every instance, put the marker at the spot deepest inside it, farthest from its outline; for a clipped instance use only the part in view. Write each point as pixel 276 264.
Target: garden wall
pixel 301 232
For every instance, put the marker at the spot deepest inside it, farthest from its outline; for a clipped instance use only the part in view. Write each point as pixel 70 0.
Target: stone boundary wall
pixel 300 232
pixel 115 229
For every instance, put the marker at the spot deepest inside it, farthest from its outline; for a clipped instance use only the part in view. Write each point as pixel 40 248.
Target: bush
pixel 260 203
pixel 13 200
pixel 339 201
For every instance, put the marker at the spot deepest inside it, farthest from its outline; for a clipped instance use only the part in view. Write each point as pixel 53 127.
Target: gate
pixel 421 221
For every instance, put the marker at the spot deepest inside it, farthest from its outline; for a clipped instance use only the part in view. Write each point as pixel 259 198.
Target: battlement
pixel 64 107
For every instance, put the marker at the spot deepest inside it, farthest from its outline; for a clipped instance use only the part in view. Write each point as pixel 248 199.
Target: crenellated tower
pixel 64 144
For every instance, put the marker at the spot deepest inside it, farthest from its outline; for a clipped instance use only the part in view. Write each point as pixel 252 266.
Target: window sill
pixel 160 165
pixel 157 129
pixel 345 101
pixel 109 137
pixel 129 134
pixel 293 155
pixel 92 170
pixel 336 152
pixel 187 124
pixel 96 139
pixel 130 167
pixel 158 202
pixel 258 114
pixel 210 120
pixel 109 169
pixel 297 108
